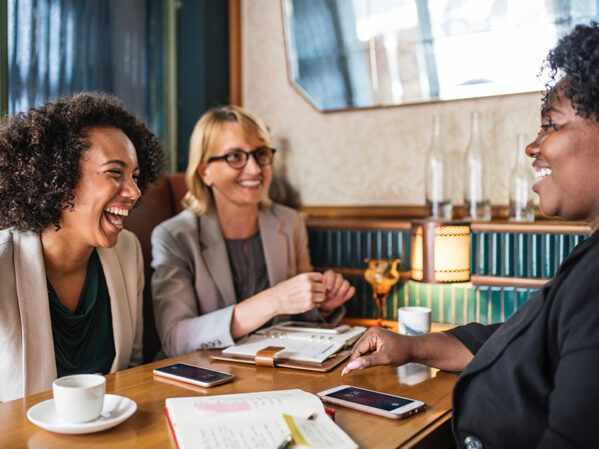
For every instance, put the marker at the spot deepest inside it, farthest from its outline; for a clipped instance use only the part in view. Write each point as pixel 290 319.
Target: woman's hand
pixel 379 347
pixel 383 347
pixel 296 295
pixel 338 290
pixel 300 293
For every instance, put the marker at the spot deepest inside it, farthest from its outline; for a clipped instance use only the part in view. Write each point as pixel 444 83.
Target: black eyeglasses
pixel 238 158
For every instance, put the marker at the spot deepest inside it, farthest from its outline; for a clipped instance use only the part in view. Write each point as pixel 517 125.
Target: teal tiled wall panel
pixel 450 304
pixel 413 294
pixel 520 254
pixel 496 305
pixel 465 303
pixel 509 304
pixel 349 248
pixel 507 254
pixel 535 262
pixel 482 305
pixel 492 253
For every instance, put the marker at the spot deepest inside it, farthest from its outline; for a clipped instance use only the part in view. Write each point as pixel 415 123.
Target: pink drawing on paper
pixel 223 408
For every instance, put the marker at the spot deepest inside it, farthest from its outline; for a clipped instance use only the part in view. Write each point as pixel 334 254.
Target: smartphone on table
pixel 387 405
pixel 306 326
pixel 194 374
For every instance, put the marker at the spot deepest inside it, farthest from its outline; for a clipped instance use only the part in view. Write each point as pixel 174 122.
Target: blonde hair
pixel 199 199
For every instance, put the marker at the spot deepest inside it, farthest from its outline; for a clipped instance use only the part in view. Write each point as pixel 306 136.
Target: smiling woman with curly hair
pixel 71 277
pixel 40 153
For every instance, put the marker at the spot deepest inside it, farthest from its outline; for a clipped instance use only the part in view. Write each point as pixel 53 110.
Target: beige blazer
pixel 192 285
pixel 27 362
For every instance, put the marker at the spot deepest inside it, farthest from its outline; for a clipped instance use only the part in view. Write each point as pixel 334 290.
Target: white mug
pixel 413 320
pixel 80 397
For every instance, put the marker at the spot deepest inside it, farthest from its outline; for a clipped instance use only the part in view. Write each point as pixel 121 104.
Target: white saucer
pixel 116 410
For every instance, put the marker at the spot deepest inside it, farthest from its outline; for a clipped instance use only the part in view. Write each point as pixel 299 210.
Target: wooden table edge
pixel 432 435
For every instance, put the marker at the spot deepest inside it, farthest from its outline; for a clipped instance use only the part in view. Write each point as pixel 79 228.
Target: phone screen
pixel 370 398
pixel 194 372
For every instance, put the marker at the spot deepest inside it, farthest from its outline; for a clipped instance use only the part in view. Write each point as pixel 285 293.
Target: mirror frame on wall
pixel 339 70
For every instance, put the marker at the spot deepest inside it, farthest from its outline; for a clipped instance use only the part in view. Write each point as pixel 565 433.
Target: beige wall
pixel 371 157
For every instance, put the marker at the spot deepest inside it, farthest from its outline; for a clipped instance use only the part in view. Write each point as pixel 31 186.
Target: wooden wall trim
pixel 405 211
pixel 499 214
pixel 357 223
pixel 385 212
pixel 479 279
pixel 476 279
pixel 554 227
pixel 235 96
pixel 400 223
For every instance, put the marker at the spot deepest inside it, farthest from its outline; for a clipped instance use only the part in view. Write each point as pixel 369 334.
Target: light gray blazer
pixel 192 284
pixel 27 361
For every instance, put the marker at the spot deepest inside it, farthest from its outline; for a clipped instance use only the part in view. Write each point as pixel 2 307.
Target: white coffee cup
pixel 80 397
pixel 413 320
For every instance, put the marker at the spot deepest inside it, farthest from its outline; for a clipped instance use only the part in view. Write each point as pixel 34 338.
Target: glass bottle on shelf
pixel 477 205
pixel 521 206
pixel 437 177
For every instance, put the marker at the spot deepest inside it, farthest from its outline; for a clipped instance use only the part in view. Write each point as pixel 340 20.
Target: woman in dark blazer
pixel 532 381
pixel 233 260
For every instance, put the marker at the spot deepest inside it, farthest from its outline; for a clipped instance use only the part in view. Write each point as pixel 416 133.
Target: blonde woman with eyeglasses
pixel 233 261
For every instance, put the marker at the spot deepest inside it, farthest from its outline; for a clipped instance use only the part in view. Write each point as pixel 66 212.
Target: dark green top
pixel 83 340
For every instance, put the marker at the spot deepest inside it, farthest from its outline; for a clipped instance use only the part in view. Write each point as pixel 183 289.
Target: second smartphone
pixel 387 405
pixel 194 374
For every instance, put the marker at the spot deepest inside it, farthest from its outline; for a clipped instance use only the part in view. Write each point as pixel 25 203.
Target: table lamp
pixel 440 251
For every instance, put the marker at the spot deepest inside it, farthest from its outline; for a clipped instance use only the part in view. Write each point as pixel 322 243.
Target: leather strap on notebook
pixel 266 356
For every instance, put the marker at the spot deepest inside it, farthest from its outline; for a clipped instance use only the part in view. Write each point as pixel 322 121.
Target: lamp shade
pixel 440 251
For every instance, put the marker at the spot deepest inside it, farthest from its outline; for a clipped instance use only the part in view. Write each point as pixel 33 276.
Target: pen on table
pixel 286 442
pixel 289 438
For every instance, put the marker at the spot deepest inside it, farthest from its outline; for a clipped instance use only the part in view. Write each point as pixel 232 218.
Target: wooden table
pixel 148 427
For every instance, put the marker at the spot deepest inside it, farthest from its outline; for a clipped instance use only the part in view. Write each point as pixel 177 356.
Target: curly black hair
pixel 40 151
pixel 573 68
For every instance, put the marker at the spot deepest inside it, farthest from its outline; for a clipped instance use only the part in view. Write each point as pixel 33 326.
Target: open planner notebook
pixel 315 347
pixel 254 420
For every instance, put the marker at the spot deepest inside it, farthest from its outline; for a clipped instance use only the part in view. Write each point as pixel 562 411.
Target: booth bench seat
pixel 161 201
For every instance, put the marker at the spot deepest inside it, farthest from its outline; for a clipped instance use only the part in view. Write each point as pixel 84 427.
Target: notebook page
pixel 242 406
pixel 260 419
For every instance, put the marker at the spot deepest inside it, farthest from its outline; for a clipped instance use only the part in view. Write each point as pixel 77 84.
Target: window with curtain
pixel 57 47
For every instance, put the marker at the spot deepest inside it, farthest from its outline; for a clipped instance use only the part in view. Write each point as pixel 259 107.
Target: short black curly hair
pixel 573 68
pixel 40 151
